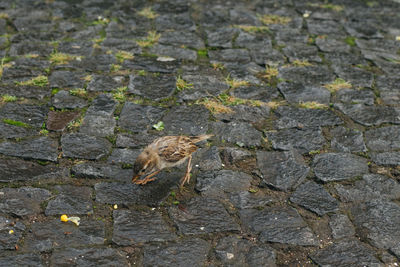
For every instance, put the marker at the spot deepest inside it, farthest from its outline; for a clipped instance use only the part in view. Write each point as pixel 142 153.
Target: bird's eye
pixel 142 170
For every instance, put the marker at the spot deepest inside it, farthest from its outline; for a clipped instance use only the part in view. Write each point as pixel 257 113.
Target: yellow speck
pixel 11 232
pixel 306 15
pixel 115 206
pixel 64 218
pixel 398 38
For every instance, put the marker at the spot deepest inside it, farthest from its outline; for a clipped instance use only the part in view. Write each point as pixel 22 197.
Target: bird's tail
pixel 196 139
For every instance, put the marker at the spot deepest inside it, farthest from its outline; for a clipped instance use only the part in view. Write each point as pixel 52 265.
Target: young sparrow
pixel 165 152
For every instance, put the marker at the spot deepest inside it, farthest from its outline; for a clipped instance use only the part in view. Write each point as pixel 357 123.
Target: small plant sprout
pixel 44 132
pixel 269 73
pixel 159 126
pixel 151 39
pixel 16 123
pixel 235 83
pixel 181 84
pixel 215 106
pixel 218 66
pixel 337 85
pixel 312 105
pixel 78 92
pixel 147 12
pixel 123 55
pixel 301 63
pixel 273 19
pixel 40 81
pixel 61 58
pixel 119 94
pixel 9 98
pixel 253 29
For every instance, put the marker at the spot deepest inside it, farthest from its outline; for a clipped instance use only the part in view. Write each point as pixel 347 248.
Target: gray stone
pixel 341 226
pixel 290 117
pixel 100 62
pixel 152 86
pixel 347 140
pixel 135 227
pixel 247 200
pixel 182 38
pixel 216 183
pixel 98 125
pixel 66 79
pixel 236 157
pixel 202 216
pixel 13 131
pixel 346 253
pixel 340 58
pixel 239 56
pixel 78 145
pixel 383 139
pixel 42 148
pixel 88 257
pixel 150 64
pixel 386 158
pixel 370 115
pixel 183 253
pixel 303 140
pixel 174 52
pixel 102 83
pixel 332 45
pixel 302 52
pixel 252 114
pixel 30 114
pixel 25 91
pixel 297 93
pixel 235 251
pixel 356 76
pixel 102 171
pixel 311 75
pixel 9 241
pixel 362 29
pixel 139 118
pixel 208 159
pixel 282 170
pixel 324 27
pixel 389 88
pixel 263 93
pixel 188 120
pixel 46 236
pixel 203 85
pixel 314 197
pixel 74 200
pixel 240 133
pixel 330 167
pixel 244 72
pixel 350 96
pixel 31 260
pixel 134 140
pixel 221 37
pixel 76 47
pixel 123 155
pixel 102 105
pixel 175 22
pixel 279 225
pixel 63 99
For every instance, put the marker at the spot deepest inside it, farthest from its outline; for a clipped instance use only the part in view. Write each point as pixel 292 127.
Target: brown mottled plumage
pixel 166 152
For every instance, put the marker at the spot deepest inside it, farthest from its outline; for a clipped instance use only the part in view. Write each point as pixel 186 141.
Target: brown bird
pixel 165 152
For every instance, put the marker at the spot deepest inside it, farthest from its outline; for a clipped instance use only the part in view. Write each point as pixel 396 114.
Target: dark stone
pixel 311 75
pixel 362 29
pixel 95 125
pixel 237 157
pixel 235 251
pixel 263 93
pixel 49 235
pixel 346 253
pixel 330 45
pixel 183 253
pixel 377 221
pixel 314 197
pixel 172 52
pixel 42 148
pixel 139 118
pixel 58 120
pixel 78 145
pixel 370 115
pixel 303 140
pixel 128 193
pixel 123 155
pixel 239 56
pixel 221 37
pixel 63 99
pixel 151 86
pixel 208 159
pixel 324 27
pixel 383 139
pixel 340 58
pixel 102 105
pixel 101 62
pixel 76 48
pixel 135 227
pixel 25 91
pixel 102 83
pixel 302 52
pixel 330 167
pixel 278 225
pixel 341 226
pixel 252 114
pixel 30 48
pixel 282 170
pixel 29 114
pixel 203 85
pixel 290 117
pixel 134 140
pixel 22 260
pixel 88 257
pixel 71 200
pixel 386 158
pixel 297 93
pixel 350 96
pixel 347 140
pixel 9 241
pixel 182 38
pixel 102 171
pixel 66 79
pixel 244 72
pixel 357 77
pixel 190 120
pixel 389 88
pixel 240 133
pixel 117 44
pixel 175 22
pixel 288 35
pixel 151 64
pixel 13 74
pixel 216 183
pixel 202 216
pixel 13 131
pixel 247 200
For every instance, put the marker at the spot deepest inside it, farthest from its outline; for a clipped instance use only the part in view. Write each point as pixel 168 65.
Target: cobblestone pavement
pixel 302 97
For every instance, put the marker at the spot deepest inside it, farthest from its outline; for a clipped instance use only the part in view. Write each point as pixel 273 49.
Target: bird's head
pixel 145 163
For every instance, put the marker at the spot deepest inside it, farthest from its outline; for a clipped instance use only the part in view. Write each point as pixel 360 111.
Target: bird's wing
pixel 175 148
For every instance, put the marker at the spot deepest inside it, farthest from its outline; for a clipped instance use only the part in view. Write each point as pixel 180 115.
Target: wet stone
pixel 247 200
pixel 29 114
pixel 22 260
pixel 216 183
pixel 325 27
pixel 31 47
pixel 383 139
pixel 117 44
pixel 174 52
pixel 347 140
pixel 42 148
pixel 370 115
pixel 66 79
pixel 13 131
pixel 63 99
pixel 128 193
pixel 377 221
pixel 237 157
pixel 70 200
pixel 101 171
pixel 302 52
pixel 183 253
pixel 240 133
pixel 75 48
pixel 98 125
pixel 123 155
pixel 346 253
pixel 202 216
pixel 25 91
pixel 289 117
pixel 252 114
pixel 355 76
pixel 182 38
pixel 386 158
pixel 175 22
pixel 263 93
pixel 282 170
pixel 190 120
pixel 362 29
pixel 278 225
pixel 46 236
pixel 208 159
pixel 102 83
pixel 341 226
pixel 58 120
pixel 350 96
pixel 311 75
pixel 88 257
pixel 330 167
pixel 133 140
pixel 303 140
pixel 389 88
pixel 341 58
pixel 371 186
pixel 151 64
pixel 13 74
pixel 332 45
pixel 139 118
pixel 235 251
pixel 229 55
pixel 314 197
pixel 134 227
pixel 101 62
pixel 297 93
pixel 78 145
pixel 221 37
pixel 203 85
pixel 151 86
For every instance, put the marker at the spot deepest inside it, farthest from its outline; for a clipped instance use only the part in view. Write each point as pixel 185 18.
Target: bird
pixel 166 152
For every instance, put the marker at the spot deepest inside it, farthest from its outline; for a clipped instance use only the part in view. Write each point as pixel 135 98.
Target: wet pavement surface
pixel 303 98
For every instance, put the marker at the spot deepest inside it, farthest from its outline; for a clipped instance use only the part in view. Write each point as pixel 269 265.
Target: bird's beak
pixel 135 177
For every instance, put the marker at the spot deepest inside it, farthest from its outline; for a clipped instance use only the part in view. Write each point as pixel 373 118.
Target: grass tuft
pixel 253 29
pixel 268 19
pixel 151 39
pixel 181 84
pixel 8 98
pixel 16 123
pixel 337 85
pixel 40 81
pixel 61 58
pixel 119 94
pixel 312 105
pixel 301 63
pixel 235 83
pixel 123 55
pixel 78 92
pixel 147 12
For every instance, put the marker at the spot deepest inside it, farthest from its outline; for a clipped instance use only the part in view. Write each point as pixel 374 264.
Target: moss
pixel 55 91
pixel 147 12
pixel 141 72
pixel 270 73
pixel 16 123
pixel 119 94
pixel 40 81
pixel 336 8
pixel 202 52
pixel 181 84
pixel 100 21
pixel 9 98
pixel 151 39
pixel 44 132
pixel 214 106
pixel 253 29
pixel 115 67
pixel 123 55
pixel 351 41
pixel 312 105
pixel 338 84
pixel 218 66
pixel 268 19
pixel 234 83
pixel 61 58
pixel 301 63
pixel 78 92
